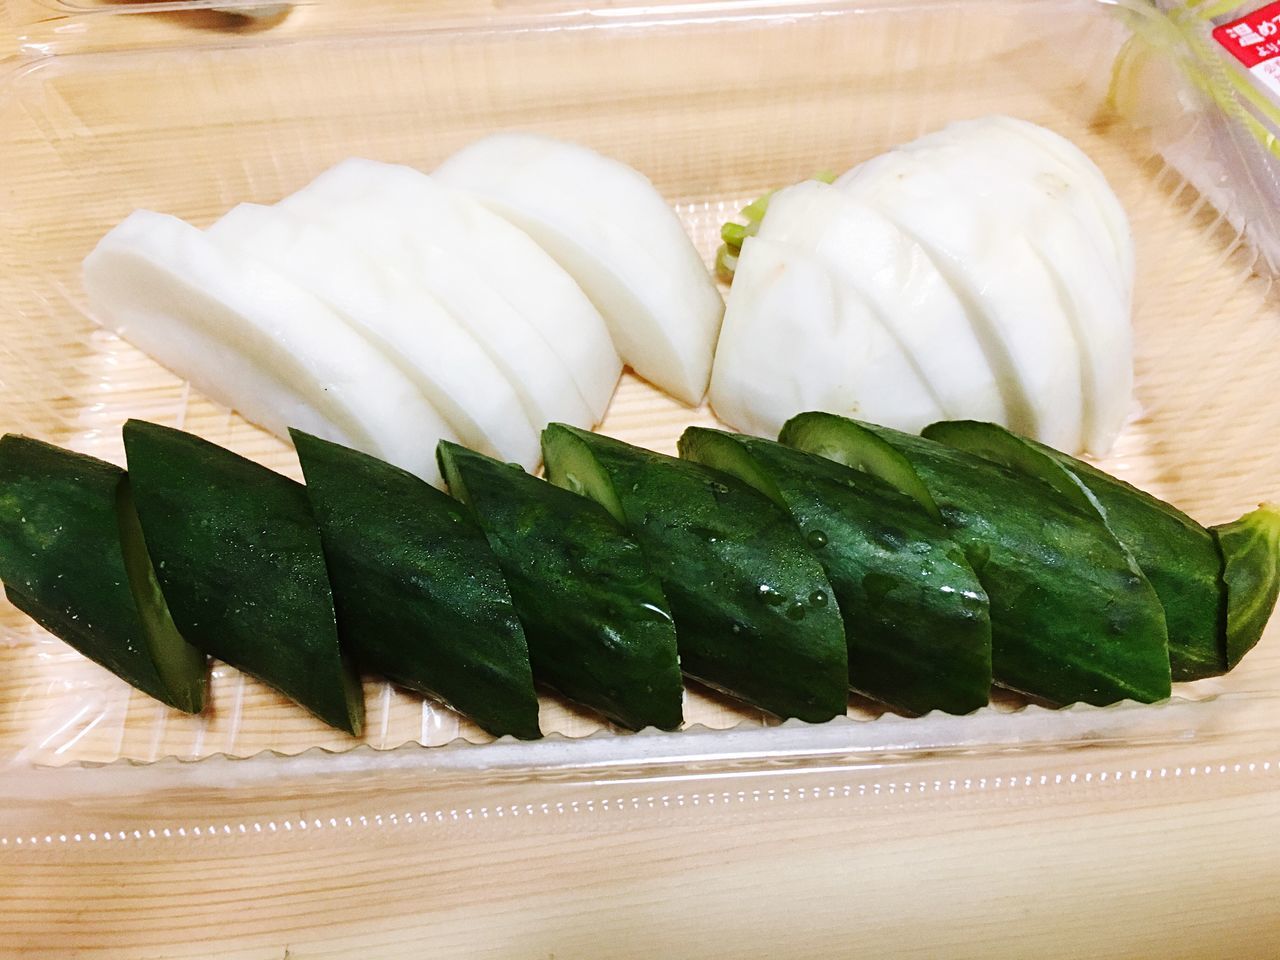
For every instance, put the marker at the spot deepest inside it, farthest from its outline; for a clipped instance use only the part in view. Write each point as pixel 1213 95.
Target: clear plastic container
pixel 716 102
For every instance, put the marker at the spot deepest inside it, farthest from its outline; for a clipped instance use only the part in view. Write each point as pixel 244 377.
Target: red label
pixel 1255 38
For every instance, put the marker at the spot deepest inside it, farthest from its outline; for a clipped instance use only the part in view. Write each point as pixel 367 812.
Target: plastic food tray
pixel 716 102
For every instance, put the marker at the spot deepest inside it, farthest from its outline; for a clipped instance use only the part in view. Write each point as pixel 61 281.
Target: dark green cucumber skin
pixel 62 562
pixel 1072 618
pixel 750 602
pixel 1251 576
pixel 239 559
pixel 419 595
pixel 915 616
pixel 994 442
pixel 598 624
pixel 1177 555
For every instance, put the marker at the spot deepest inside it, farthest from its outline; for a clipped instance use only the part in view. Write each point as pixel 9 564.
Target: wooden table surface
pixel 1162 851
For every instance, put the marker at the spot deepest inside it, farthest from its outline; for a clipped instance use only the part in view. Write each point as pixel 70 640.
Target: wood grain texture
pixel 1167 849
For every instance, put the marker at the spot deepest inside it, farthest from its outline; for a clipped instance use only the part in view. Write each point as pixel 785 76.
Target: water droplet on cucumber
pixel 769 595
pixel 816 539
pixel 796 611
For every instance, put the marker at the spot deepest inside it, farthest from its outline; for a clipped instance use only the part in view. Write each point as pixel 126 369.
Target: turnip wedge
pixel 607 225
pixel 524 309
pixel 245 336
pixel 991 264
pixel 917 305
pixel 1003 169
pixel 796 338
pixel 398 317
pixel 1094 192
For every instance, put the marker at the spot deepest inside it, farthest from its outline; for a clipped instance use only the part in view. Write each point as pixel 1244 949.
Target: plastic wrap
pixel 716 102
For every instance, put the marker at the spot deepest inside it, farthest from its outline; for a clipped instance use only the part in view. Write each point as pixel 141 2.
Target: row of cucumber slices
pixel 916 570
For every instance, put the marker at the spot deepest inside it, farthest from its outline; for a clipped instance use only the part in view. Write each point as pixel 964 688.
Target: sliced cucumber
pixel 240 562
pixel 419 595
pixel 1175 553
pixel 72 558
pixel 750 602
pixel 915 616
pixel 1072 617
pixel 870 454
pixel 599 627
pixel 993 442
pixel 1251 572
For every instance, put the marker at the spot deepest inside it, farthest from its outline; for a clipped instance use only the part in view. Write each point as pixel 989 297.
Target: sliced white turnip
pixel 1082 172
pixel 796 338
pixel 613 232
pixel 1074 249
pixel 898 277
pixel 986 256
pixel 543 303
pixel 249 338
pixel 399 317
pixel 544 385
pixel 1051 166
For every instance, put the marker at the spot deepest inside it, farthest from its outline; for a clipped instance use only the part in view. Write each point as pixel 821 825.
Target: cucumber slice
pixel 72 558
pixel 1178 556
pixel 915 616
pixel 870 455
pixel 1072 617
pixel 1175 553
pixel 240 563
pixel 993 442
pixel 599 627
pixel 1250 547
pixel 419 595
pixel 750 602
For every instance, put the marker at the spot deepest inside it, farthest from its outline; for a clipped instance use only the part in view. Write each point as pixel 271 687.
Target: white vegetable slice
pixel 249 338
pixel 1054 165
pixel 991 265
pixel 612 231
pixel 1081 170
pixel 544 385
pixel 796 339
pixel 1074 249
pixel 918 306
pixel 398 317
pixel 547 328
